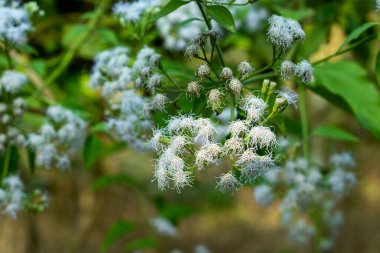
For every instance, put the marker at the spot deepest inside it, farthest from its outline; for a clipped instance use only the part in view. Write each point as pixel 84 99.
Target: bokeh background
pixel 85 203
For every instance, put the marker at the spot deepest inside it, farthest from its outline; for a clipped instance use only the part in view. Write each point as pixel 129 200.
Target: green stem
pixel 7 162
pixel 232 108
pixel 304 122
pixel 354 45
pixel 69 56
pixel 209 26
pixel 8 55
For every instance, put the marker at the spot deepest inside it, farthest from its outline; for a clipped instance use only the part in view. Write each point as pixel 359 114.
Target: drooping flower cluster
pixel 306 191
pixel 129 112
pixel 58 139
pixel 284 32
pixel 14 23
pixel 132 11
pixel 303 70
pixel 12 108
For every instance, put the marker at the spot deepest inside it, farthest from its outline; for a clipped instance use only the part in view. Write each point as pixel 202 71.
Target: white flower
pixel 181 179
pixel 132 11
pixel 284 32
pixel 304 70
pixel 193 89
pixel 14 24
pixel 203 71
pixel 205 131
pixel 215 99
pixel 226 73
pixel 234 146
pixel 177 144
pixel 262 137
pixel 12 81
pixel 163 226
pixel 228 182
pixel 253 166
pixel 301 232
pixel 342 160
pixel 237 128
pixel 263 195
pixel 287 69
pixel 207 155
pixel 254 108
pixel 235 86
pixel 245 68
pixel 289 95
pixel 159 101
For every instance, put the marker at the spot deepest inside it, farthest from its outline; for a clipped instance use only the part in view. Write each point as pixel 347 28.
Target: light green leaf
pixel 223 16
pixel 335 133
pixel 356 33
pixel 169 8
pixel 107 180
pixel 148 242
pixel 348 81
pixel 377 68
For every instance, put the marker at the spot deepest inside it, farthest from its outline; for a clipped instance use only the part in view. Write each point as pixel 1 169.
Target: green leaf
pixel 223 16
pixel 356 33
pixel 335 133
pixel 91 151
pixel 349 81
pixel 148 242
pixel 169 8
pixel 377 68
pixel 117 230
pixel 27 49
pixel 296 14
pixel 174 212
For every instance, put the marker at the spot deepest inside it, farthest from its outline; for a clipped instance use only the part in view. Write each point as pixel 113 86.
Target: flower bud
pixel 159 101
pixel 215 99
pixel 155 81
pixel 287 69
pixel 145 73
pixel 226 73
pixel 203 71
pixel 192 50
pixel 265 87
pixel 155 60
pixel 235 86
pixel 245 68
pixel 193 89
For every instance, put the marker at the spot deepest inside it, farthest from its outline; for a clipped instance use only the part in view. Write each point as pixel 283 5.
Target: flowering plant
pixel 173 84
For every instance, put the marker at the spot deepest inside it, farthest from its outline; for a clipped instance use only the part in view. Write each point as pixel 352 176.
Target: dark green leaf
pixel 174 212
pixel 335 133
pixel 356 33
pixel 142 243
pixel 169 8
pixel 27 49
pixel 349 81
pixel 223 16
pixel 117 230
pixel 91 151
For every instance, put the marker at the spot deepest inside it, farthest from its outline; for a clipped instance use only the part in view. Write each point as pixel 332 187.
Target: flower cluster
pixel 306 190
pixel 58 139
pixel 284 32
pixel 12 108
pixel 188 143
pixel 14 199
pixel 12 196
pixel 132 11
pixel 129 112
pixel 303 70
pixel 14 23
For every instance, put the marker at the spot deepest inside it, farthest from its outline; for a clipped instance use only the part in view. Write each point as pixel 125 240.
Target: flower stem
pixel 209 26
